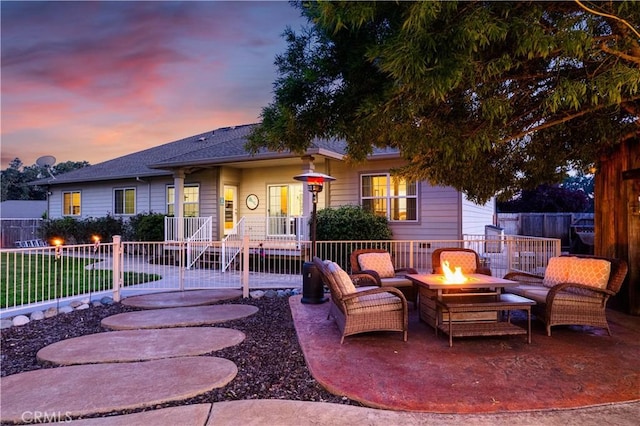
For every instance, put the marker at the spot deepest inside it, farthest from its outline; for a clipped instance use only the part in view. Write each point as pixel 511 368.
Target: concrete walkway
pixel 178 317
pixel 180 299
pixel 140 345
pixel 59 394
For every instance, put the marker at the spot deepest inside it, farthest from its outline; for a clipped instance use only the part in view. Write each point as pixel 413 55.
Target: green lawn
pixel 28 278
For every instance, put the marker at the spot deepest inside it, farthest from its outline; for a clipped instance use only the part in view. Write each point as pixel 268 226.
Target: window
pixel 191 204
pixel 71 203
pixel 124 201
pixel 392 197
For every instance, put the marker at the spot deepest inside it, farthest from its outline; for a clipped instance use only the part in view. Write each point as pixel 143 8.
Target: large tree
pixel 487 97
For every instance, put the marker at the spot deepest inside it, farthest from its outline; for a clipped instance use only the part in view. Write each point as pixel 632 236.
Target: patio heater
pixel 312 288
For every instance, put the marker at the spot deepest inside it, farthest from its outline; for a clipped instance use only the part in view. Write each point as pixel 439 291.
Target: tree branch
pixel 621 55
pixel 606 15
pixel 548 124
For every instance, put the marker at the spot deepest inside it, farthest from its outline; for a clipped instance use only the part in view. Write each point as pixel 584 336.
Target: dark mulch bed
pixel 270 361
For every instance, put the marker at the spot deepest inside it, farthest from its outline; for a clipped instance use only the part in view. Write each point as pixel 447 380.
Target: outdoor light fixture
pixel 58 244
pixel 312 287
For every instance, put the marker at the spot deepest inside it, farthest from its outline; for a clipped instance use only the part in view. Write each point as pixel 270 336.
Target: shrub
pixel 74 231
pixel 65 228
pixel 104 227
pixel 145 227
pixel 351 223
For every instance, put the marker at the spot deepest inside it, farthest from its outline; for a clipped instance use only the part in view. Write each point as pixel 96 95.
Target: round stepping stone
pixel 178 317
pixel 176 299
pixel 185 414
pixel 140 345
pixel 82 390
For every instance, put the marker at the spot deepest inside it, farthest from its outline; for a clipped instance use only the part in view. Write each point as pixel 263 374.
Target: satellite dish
pixel 47 161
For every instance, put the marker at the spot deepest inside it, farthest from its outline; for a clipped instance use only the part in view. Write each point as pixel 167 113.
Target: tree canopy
pixel 15 178
pixel 487 97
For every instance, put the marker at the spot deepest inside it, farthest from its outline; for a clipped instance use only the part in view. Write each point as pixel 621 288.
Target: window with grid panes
pixel 392 197
pixel 191 203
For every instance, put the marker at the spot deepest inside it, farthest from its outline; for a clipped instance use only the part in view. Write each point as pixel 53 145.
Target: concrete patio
pixel 530 401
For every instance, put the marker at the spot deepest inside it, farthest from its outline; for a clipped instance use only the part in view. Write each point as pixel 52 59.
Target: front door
pixel 230 208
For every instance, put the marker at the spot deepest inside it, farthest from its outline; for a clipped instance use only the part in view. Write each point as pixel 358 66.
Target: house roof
pixel 216 147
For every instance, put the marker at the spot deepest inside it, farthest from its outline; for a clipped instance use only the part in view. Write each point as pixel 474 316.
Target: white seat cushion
pixel 396 282
pixel 557 271
pixel 342 279
pixel 591 272
pixel 464 259
pixel 379 262
pixel 379 302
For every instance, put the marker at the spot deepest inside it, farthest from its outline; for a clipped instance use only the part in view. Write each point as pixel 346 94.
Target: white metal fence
pixel 48 275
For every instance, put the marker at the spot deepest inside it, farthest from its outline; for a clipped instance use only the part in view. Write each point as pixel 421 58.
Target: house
pixel 210 175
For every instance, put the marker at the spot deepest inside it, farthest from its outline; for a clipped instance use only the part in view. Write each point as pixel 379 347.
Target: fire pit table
pixel 471 308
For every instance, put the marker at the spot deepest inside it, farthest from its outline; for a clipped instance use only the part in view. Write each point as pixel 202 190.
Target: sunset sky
pixel 96 80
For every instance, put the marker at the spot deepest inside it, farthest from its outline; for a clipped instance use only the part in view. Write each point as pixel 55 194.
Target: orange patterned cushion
pixel 379 262
pixel 591 272
pixel 342 279
pixel 464 259
pixel 557 271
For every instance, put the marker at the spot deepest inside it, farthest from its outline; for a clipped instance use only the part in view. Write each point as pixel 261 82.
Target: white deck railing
pixel 183 228
pixel 195 248
pixel 32 278
pixel 257 228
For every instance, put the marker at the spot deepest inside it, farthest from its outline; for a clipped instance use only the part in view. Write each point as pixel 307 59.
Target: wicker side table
pixel 502 302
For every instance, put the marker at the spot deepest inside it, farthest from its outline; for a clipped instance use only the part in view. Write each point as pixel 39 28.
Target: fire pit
pixel 468 305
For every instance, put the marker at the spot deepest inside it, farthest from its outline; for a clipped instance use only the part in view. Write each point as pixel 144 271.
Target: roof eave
pixel 50 182
pixel 243 158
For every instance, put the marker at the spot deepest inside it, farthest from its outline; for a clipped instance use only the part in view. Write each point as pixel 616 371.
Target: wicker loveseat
pixel 364 309
pixel 378 264
pixel 573 291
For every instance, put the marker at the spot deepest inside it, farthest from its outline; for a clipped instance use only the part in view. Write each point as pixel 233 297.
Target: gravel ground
pixel 270 361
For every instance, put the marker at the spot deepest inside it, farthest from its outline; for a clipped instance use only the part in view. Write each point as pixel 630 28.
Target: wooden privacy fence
pixel 547 225
pixel 12 230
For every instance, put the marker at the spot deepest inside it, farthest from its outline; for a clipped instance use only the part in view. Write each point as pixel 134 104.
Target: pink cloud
pixel 96 80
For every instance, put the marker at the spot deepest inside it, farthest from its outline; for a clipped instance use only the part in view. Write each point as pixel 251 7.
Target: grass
pixel 28 278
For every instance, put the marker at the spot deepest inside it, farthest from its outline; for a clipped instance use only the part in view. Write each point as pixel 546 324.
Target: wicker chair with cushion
pixel 467 259
pixel 573 291
pixel 378 264
pixel 364 309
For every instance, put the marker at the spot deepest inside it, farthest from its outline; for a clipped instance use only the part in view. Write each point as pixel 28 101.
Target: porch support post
pixel 307 198
pixel 178 202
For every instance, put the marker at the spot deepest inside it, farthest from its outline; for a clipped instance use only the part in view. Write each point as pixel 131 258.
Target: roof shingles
pixel 214 147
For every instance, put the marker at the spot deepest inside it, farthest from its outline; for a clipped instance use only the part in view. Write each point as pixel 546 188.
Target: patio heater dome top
pixel 314 177
pixel 314 180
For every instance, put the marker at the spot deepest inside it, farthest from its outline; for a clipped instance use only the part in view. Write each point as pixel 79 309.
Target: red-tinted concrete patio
pixel 576 367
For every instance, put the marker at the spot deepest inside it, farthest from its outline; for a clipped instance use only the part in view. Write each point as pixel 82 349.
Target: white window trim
pixel 390 197
pixel 171 202
pixel 287 227
pixel 124 206
pixel 80 206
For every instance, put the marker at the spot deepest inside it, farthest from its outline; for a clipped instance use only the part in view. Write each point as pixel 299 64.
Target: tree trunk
pixel 617 220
